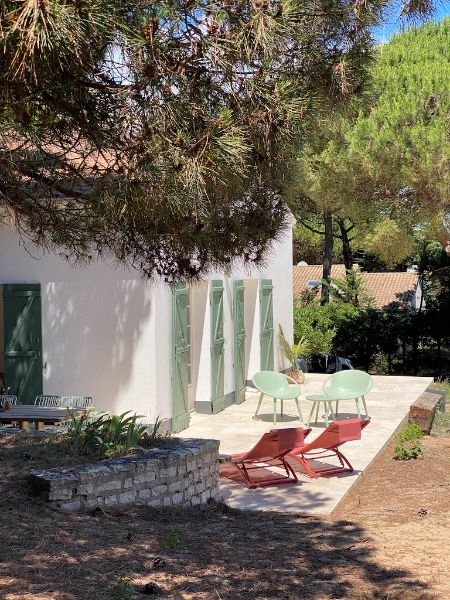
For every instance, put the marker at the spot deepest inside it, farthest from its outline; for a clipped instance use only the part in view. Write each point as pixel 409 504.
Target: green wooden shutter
pixel 217 347
pixel 266 323
pixel 23 340
pixel 239 341
pixel 180 349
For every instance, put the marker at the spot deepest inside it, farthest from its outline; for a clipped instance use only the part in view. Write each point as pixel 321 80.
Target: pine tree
pixel 384 164
pixel 159 132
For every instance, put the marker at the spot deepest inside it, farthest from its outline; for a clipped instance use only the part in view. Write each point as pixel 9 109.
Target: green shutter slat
pixel 239 340
pixel 180 350
pixel 266 324
pixel 22 347
pixel 217 347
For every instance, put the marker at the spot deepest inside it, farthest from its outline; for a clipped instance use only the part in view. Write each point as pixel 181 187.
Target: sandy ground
pixel 388 540
pixel 405 508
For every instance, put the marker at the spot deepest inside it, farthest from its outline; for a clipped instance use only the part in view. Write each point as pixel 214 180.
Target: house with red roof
pixel 396 290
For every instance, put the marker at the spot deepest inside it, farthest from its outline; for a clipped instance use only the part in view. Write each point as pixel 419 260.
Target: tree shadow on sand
pixel 216 552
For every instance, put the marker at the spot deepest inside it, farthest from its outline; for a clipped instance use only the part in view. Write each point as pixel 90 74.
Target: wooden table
pixel 39 415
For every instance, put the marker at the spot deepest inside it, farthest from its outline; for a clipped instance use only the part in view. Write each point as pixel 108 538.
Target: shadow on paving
pixel 211 552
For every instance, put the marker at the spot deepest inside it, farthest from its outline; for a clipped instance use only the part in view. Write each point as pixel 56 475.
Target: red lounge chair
pixel 271 450
pixel 326 446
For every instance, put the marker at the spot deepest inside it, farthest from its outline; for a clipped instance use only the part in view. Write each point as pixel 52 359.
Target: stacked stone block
pixel 183 472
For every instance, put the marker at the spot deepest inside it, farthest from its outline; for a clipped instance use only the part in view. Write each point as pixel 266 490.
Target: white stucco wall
pixel 109 335
pixel 416 300
pixel 97 329
pixel 278 268
pixel 252 328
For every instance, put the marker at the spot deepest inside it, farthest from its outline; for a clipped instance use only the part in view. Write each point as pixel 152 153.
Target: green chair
pixel 276 385
pixel 348 385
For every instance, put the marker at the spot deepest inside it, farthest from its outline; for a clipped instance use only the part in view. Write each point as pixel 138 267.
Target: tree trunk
pixel 415 350
pixel 403 355
pixel 328 255
pixel 346 248
pixel 439 358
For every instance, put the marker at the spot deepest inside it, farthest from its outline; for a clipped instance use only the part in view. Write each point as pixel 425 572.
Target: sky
pixel 393 24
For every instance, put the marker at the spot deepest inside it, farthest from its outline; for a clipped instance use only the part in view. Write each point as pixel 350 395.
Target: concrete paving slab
pixel 388 405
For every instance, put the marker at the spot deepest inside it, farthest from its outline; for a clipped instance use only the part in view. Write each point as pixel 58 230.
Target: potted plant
pixel 293 352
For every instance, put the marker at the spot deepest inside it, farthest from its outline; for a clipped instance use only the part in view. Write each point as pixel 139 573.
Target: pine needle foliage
pixel 384 163
pixel 350 289
pixel 403 141
pixel 159 132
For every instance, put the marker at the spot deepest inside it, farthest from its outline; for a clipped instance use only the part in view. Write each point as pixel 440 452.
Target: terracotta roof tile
pixel 384 288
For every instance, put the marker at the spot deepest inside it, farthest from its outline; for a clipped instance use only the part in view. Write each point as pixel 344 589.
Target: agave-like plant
pixel 107 434
pixel 293 351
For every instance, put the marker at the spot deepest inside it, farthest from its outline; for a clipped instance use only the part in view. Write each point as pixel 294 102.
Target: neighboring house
pixel 145 347
pixel 397 290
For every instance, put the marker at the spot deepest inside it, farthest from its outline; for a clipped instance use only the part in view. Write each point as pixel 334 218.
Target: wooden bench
pixel 423 410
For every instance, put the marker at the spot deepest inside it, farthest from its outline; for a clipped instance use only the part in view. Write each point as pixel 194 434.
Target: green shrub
pixel 313 326
pixel 380 365
pixel 105 435
pixel 174 540
pixel 123 589
pixel 408 443
pixel 411 432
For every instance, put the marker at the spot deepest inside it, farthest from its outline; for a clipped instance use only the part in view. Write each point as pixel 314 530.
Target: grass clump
pixel 441 423
pixel 408 444
pixel 174 540
pixel 123 589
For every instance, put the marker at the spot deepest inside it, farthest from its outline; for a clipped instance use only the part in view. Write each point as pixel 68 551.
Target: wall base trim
pixel 229 399
pixel 205 407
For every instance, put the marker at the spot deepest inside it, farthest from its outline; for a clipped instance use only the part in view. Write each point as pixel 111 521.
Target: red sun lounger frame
pixel 271 450
pixel 327 444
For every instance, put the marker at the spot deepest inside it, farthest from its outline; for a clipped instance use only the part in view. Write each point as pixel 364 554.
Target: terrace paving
pixel 388 405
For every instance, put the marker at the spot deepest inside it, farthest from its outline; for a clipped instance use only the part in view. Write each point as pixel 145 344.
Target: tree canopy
pixel 403 142
pixel 159 132
pixel 385 163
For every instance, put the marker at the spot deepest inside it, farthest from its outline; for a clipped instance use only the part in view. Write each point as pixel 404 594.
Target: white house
pixel 149 348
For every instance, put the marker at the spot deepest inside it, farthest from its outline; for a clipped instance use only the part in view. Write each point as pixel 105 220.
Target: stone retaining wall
pixel 184 472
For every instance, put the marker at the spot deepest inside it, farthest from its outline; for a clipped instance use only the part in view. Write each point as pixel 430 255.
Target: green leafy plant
pixel 123 589
pixel 174 540
pixel 293 351
pixel 380 365
pixel 441 423
pixel 316 326
pixel 105 435
pixel 153 435
pixel 408 444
